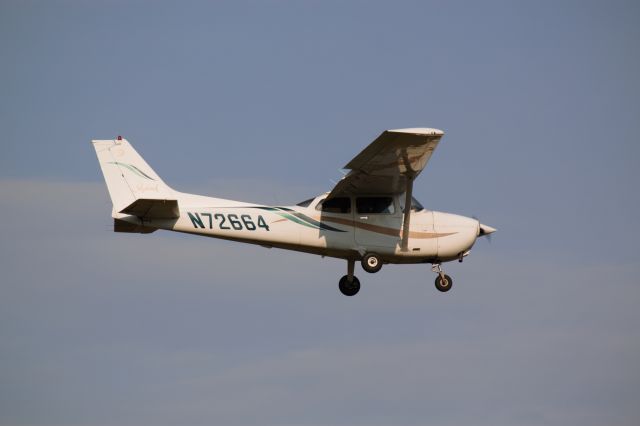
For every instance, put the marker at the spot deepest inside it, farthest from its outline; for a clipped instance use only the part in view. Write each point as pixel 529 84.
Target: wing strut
pixel 407 213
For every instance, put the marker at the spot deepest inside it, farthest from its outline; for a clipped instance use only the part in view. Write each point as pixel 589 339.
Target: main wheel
pixel 371 263
pixel 349 288
pixel 444 285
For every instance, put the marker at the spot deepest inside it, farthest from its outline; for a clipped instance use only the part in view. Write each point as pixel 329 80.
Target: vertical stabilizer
pixel 127 175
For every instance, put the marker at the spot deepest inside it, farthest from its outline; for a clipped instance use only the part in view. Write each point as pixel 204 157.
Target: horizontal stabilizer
pixel 124 226
pixel 149 208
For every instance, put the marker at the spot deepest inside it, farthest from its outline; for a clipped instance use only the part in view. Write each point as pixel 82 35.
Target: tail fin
pixel 128 176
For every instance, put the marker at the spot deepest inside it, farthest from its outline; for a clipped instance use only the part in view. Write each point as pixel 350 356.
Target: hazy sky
pixel 265 102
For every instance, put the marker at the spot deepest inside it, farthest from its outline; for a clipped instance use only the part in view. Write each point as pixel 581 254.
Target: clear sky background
pixel 265 102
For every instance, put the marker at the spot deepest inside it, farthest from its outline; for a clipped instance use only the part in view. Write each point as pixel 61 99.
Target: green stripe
pixel 314 222
pixel 299 218
pixel 296 220
pixel 132 168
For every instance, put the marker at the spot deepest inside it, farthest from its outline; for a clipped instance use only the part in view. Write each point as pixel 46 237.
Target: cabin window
pixel 305 203
pixel 375 205
pixel 335 205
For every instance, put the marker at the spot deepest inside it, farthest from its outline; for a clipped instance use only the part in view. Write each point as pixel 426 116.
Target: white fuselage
pixel 434 236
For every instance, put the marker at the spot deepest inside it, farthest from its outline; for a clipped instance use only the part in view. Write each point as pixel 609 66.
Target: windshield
pixel 415 204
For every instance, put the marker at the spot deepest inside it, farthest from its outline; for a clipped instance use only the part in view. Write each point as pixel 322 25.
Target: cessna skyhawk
pixel 363 218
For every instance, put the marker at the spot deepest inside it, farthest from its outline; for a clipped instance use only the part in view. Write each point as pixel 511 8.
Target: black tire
pixel 371 263
pixel 444 286
pixel 349 288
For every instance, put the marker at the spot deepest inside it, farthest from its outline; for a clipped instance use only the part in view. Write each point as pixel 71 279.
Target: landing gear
pixel 349 285
pixel 371 263
pixel 349 288
pixel 443 281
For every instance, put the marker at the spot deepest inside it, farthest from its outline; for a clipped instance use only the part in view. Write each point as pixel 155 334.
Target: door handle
pixel 364 217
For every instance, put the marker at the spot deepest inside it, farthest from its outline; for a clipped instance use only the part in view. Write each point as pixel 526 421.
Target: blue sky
pixel 266 101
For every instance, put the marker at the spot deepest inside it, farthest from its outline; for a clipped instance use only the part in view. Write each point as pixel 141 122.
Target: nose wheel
pixel 443 281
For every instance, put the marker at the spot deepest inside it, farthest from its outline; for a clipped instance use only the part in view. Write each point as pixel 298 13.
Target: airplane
pixel 363 218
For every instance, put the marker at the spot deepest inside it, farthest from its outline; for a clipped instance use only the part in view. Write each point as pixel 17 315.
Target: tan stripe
pixel 392 232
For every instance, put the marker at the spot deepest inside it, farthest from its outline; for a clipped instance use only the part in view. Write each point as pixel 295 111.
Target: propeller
pixel 485 230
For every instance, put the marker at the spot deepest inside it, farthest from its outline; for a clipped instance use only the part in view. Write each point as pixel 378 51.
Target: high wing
pixel 390 163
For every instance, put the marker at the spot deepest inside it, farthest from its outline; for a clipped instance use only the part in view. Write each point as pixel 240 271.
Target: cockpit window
pixel 305 203
pixel 375 205
pixel 335 205
pixel 415 204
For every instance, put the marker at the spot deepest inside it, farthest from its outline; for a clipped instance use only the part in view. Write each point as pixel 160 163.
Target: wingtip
pixel 419 131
